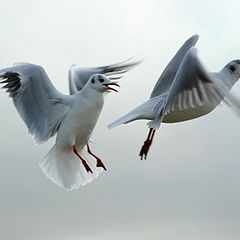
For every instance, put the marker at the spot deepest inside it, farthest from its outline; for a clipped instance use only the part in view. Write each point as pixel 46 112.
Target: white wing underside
pixel 39 104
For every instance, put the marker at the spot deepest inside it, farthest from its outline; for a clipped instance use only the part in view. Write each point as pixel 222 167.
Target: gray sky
pixel 188 189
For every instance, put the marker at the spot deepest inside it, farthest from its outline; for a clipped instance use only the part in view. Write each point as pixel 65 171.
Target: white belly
pixel 78 125
pixel 188 114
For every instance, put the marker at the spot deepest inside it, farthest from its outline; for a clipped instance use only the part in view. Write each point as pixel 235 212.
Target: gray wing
pixel 193 86
pixel 71 82
pixel 78 77
pixel 166 78
pixel 37 101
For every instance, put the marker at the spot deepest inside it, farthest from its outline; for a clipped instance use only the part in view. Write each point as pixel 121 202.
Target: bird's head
pixel 234 68
pixel 102 83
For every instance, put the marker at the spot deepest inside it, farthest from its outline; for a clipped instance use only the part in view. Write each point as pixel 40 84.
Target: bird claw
pixel 145 148
pixel 86 166
pixel 88 169
pixel 100 164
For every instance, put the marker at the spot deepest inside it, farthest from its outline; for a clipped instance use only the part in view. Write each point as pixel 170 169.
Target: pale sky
pixel 188 189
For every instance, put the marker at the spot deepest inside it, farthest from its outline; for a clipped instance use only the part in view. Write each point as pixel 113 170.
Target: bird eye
pixel 232 68
pixel 101 80
pixel 93 80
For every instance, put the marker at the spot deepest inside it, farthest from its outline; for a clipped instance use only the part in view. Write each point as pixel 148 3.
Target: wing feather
pixel 166 78
pixel 78 77
pixel 193 86
pixel 37 101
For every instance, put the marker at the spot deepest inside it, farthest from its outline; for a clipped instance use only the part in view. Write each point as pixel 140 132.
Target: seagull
pixel 47 112
pixel 185 90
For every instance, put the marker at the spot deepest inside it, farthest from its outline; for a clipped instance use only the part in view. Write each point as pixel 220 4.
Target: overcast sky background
pixel 188 189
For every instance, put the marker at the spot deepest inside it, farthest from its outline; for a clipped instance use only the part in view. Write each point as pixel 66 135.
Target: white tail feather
pixel 65 169
pixel 144 111
pixel 124 120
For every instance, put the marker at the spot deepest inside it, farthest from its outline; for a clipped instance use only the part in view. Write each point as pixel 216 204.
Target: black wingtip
pixel 12 82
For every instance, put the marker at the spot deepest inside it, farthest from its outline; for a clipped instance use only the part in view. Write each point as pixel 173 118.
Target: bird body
pixel 188 113
pixel 81 119
pixel 75 130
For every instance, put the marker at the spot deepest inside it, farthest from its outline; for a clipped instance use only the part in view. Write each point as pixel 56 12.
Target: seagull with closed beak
pixel 184 91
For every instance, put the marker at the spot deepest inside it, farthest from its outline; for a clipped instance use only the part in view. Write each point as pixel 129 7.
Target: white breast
pixel 79 123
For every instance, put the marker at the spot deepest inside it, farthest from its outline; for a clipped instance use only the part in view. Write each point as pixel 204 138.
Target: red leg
pixel 88 169
pixel 99 162
pixel 147 144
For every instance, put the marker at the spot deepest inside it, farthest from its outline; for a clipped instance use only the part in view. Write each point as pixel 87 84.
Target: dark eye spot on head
pixel 93 80
pixel 232 68
pixel 101 80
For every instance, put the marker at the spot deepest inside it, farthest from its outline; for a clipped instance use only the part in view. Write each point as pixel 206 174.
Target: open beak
pixel 111 84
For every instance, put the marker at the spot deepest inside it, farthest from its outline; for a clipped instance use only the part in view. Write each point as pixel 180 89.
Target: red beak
pixel 109 84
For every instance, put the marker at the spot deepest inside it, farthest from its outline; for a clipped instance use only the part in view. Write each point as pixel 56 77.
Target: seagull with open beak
pixel 72 118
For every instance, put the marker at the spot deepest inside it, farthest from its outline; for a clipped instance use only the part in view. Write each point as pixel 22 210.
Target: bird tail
pixel 143 111
pixel 129 117
pixel 65 169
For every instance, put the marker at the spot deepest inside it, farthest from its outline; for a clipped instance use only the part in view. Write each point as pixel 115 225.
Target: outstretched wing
pixel 193 86
pixel 79 76
pixel 40 105
pixel 166 78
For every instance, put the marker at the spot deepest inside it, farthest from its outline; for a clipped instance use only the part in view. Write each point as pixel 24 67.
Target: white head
pixel 234 69
pixel 101 83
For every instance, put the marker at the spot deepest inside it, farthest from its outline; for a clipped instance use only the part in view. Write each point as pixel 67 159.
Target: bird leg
pixel 84 162
pixel 147 144
pixel 99 162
